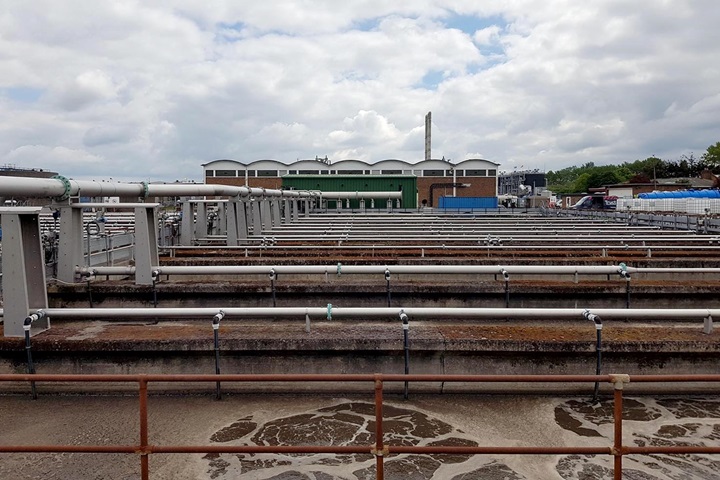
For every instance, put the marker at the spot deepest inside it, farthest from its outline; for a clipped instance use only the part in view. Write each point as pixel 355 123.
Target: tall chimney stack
pixel 428 127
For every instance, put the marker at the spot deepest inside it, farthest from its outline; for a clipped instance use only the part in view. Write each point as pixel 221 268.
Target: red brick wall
pixel 479 187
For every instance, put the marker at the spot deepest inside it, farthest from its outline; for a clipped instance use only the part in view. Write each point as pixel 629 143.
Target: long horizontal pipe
pixel 385 312
pixel 332 377
pixel 339 269
pixel 431 247
pixel 58 188
pixel 358 195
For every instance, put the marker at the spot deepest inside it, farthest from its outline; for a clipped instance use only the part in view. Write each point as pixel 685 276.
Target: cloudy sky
pixel 150 90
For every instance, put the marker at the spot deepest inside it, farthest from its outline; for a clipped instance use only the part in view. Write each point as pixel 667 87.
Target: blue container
pixel 468 203
pixel 681 194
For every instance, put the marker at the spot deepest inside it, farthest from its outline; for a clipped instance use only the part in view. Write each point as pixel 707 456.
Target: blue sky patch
pixel 22 94
pixel 367 24
pixel 471 24
pixel 431 80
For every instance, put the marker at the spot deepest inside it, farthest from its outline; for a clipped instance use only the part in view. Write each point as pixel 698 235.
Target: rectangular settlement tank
pixel 358 183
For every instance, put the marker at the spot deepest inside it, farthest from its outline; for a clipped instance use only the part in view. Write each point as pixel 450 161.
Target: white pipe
pixel 473 246
pixel 384 312
pixel 357 195
pixel 58 188
pixel 339 269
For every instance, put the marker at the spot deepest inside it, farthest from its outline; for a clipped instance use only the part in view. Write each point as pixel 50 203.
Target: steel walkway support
pixel 70 247
pixel 23 270
pixel 146 245
pixel 186 224
pixel 237 229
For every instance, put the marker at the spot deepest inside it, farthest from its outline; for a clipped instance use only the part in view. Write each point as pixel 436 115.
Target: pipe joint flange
pixel 146 189
pixel 619 380
pixel 66 184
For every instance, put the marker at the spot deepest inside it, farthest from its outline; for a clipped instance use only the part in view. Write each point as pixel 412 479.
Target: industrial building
pixel 434 178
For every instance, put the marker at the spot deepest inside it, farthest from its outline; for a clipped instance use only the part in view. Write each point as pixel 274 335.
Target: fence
pixel 378 449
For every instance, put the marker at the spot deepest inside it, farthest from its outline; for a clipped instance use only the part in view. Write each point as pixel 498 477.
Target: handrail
pixel 379 449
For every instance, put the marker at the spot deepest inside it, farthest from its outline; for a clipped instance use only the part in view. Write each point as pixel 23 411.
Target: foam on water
pixel 577 422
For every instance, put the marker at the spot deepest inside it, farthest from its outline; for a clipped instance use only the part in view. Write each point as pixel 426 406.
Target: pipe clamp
pixel 380 453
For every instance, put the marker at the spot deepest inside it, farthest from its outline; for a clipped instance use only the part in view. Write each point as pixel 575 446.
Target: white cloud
pixel 162 87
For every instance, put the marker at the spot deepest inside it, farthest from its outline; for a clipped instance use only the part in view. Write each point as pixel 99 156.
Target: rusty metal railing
pixel 379 449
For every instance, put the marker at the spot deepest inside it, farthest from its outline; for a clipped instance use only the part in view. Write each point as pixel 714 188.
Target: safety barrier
pixel 378 449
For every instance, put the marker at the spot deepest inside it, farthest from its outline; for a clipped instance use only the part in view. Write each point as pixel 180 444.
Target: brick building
pixel 435 178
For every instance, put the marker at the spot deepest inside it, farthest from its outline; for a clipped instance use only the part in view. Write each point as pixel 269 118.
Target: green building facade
pixel 357 183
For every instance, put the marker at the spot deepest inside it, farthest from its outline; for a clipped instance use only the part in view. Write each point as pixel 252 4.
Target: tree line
pixel 581 178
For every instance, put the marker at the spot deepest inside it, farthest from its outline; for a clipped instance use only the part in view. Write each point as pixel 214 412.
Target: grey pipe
pixel 359 312
pixel 385 270
pixel 62 188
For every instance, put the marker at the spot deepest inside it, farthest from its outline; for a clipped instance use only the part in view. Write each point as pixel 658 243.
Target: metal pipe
pixel 273 276
pixel 379 449
pixel 370 269
pixel 361 312
pixel 144 450
pixel 598 349
pixel 155 277
pixel 62 188
pixel 506 277
pixel 216 329
pixel 27 326
pixel 358 195
pixel 617 432
pixel 406 330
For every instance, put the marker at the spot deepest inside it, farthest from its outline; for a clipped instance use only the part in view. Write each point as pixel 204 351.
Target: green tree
pixel 711 157
pixel 603 176
pixel 581 184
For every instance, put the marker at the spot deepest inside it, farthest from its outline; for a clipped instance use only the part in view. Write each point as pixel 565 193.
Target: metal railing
pixel 378 449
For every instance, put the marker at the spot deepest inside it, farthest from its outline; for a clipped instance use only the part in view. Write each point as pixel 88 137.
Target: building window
pixel 492 173
pixel 209 173
pixel 350 172
pixel 432 173
pixel 251 173
pixel 459 173
pixel 226 173
pixel 308 172
pixel 476 173
pixel 282 172
pixel 267 173
pixel 392 172
pixel 324 172
pixel 448 173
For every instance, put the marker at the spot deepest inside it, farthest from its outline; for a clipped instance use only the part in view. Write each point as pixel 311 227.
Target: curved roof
pixel 351 164
pixel 477 163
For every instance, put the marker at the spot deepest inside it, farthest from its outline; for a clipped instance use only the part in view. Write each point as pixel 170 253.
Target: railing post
pixel 618 382
pixel 144 465
pixel 379 450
